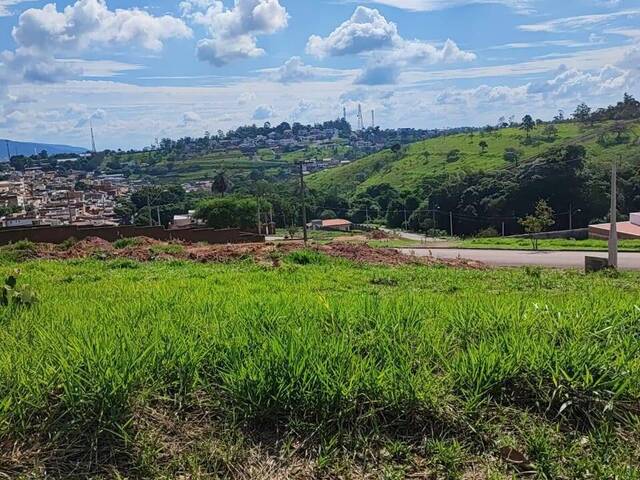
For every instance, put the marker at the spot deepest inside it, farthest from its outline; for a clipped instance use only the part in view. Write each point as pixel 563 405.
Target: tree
pixel 550 131
pixel 538 222
pixel 220 184
pixel 527 125
pixel 231 212
pixel 582 113
pixel 328 215
pixel 483 146
pixel 619 129
pixel 511 155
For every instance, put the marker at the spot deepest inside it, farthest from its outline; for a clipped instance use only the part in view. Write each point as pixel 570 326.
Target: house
pixel 334 224
pixel 626 230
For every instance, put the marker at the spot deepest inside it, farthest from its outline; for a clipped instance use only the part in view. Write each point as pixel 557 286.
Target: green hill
pixel 431 158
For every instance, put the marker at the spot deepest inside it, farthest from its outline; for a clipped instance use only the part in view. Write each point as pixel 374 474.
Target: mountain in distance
pixel 29 148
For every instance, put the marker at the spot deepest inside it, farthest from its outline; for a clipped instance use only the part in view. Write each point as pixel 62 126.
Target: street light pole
pixel 613 230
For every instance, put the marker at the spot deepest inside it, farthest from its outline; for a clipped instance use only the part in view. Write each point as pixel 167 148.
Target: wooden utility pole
pixel 259 220
pixel 451 223
pixel 304 204
pixel 613 230
pixel 149 208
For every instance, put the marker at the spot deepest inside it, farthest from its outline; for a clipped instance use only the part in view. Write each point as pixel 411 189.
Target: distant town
pixel 84 189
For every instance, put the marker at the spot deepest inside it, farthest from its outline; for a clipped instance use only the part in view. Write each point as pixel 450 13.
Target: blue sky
pixel 145 69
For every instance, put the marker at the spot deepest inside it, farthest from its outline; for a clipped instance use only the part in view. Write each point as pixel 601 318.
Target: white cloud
pixel 430 5
pixel 368 32
pixel 234 31
pixel 365 31
pixel 263 112
pixel 43 34
pixel 89 23
pixel 5 7
pixel 574 83
pixel 295 70
pixel 577 23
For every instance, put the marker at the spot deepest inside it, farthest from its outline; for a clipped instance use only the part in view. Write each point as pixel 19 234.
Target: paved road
pixel 518 258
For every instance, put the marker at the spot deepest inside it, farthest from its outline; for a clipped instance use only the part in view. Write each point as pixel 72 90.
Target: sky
pixel 138 70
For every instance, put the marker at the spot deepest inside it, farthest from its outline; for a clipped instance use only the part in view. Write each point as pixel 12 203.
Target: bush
pixel 453 156
pixel 125 242
pixel 487 233
pixel 511 155
pixel 306 257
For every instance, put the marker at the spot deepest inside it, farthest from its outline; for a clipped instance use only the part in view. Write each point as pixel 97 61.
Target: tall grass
pixel 322 343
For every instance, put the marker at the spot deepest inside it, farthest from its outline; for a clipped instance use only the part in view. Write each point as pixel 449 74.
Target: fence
pixel 111 234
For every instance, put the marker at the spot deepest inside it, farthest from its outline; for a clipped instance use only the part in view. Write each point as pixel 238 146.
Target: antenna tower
pixel 8 151
pixel 344 113
pixel 360 118
pixel 373 119
pixel 93 140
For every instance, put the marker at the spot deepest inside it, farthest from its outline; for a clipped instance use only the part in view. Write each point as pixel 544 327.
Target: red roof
pixel 338 222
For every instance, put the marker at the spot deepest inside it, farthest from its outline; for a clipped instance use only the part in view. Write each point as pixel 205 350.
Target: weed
pixel 307 257
pixel 125 243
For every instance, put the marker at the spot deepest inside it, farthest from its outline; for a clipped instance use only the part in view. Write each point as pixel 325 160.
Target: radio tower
pixel 373 119
pixel 344 113
pixel 8 151
pixel 93 140
pixel 360 118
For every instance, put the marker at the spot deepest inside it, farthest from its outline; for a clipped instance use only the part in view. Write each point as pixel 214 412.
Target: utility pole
pixel 304 204
pixel 149 209
pixel 259 221
pixel 158 215
pixel 571 216
pixel 613 231
pixel 503 229
pixel 451 223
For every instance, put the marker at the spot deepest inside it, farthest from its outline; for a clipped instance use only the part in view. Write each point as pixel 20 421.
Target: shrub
pixel 488 233
pixel 453 156
pixel 306 257
pixel 125 242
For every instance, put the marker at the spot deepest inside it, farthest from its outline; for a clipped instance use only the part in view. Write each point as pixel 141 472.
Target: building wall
pixel 111 234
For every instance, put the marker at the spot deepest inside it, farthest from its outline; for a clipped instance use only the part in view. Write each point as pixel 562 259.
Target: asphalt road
pixel 519 258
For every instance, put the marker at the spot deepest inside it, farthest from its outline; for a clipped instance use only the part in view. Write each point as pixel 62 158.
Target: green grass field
pixel 318 368
pixel 429 158
pixel 551 244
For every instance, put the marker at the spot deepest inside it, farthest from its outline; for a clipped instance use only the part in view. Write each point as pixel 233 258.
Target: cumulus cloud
pixel 574 83
pixel 263 112
pixel 234 31
pixel 365 31
pixel 295 70
pixel 44 34
pixel 369 33
pixel 89 23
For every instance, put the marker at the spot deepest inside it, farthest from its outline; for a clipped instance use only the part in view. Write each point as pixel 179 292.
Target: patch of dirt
pixel 147 249
pixel 378 235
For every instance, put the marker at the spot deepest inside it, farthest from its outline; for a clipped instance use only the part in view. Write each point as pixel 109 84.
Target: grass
pixel 319 369
pixel 549 244
pixel 429 158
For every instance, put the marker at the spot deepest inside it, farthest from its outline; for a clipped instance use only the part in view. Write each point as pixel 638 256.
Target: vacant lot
pixel 316 367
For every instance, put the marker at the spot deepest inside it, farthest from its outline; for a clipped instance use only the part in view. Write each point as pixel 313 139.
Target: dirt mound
pixel 147 249
pixel 378 235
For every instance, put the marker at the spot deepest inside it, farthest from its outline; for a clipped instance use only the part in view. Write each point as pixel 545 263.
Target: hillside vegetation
pixel 317 368
pixel 408 169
